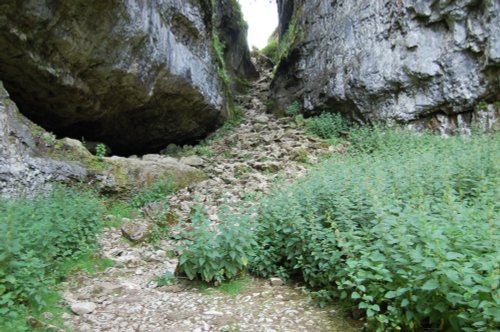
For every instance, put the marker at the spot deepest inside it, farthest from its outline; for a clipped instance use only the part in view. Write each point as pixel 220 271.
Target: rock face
pixel 233 35
pixel 134 74
pixel 31 160
pixel 22 169
pixel 402 61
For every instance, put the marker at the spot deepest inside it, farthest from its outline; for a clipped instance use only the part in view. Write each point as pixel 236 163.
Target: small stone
pixel 213 313
pixel 82 308
pixel 48 315
pixel 276 281
pixel 261 118
pixel 135 230
pixel 110 218
pixel 194 161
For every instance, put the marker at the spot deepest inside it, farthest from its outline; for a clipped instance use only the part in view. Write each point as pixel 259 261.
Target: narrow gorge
pixel 158 174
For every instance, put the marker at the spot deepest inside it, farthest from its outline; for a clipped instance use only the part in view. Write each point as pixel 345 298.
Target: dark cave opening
pixel 138 132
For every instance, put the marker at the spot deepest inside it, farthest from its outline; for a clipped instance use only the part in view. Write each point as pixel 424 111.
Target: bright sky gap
pixel 262 19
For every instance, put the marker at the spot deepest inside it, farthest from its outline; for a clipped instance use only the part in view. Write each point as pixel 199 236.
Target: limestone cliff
pixel 426 62
pixel 134 74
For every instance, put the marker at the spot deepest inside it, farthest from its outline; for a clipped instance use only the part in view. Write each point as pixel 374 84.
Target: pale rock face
pixel 134 74
pixel 22 169
pixel 395 61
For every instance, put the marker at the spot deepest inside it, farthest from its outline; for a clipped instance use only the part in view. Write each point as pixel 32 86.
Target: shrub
pixel 408 234
pixel 271 49
pixel 326 125
pixel 36 236
pixel 215 253
pixel 101 150
pixel 293 109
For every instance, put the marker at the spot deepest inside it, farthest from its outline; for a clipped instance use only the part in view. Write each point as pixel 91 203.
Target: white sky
pixel 262 18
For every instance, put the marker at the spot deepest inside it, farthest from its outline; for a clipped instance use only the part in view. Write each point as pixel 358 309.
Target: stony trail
pixel 247 160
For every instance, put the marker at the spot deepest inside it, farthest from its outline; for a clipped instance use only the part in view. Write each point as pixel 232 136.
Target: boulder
pixel 121 175
pixel 406 61
pixel 194 161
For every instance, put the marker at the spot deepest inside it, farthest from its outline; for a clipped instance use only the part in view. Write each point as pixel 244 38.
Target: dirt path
pixel 245 161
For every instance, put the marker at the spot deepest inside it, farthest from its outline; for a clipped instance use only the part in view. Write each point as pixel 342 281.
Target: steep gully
pixel 247 161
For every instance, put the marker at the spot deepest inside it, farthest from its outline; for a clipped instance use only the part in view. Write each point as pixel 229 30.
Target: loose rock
pixel 82 308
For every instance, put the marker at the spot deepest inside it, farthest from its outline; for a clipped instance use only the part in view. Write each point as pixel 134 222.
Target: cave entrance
pixel 262 19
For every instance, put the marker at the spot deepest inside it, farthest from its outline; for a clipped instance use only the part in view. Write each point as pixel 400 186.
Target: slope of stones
pixel 245 161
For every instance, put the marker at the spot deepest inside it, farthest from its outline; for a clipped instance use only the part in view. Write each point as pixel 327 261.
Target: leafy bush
pixel 408 234
pixel 293 109
pixel 215 253
pixel 326 125
pixel 101 150
pixel 36 236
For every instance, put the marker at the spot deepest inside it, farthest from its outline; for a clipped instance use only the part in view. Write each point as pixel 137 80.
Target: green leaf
pixel 453 255
pixel 10 279
pixel 390 295
pixel 430 284
pixel 355 295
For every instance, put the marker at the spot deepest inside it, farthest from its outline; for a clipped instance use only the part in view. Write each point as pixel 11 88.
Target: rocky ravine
pixel 246 160
pixel 429 63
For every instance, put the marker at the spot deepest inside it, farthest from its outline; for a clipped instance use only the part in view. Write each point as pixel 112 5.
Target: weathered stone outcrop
pixel 400 61
pixel 134 74
pixel 232 30
pixel 32 160
pixel 22 170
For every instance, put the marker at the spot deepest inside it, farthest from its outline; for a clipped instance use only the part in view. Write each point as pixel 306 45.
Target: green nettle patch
pixel 215 253
pixel 408 232
pixel 38 238
pixel 326 125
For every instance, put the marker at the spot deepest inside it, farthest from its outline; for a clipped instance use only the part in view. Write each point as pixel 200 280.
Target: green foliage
pixel 219 49
pixel 326 125
pixel 157 191
pixel 119 209
pixel 215 253
pixel 407 233
pixel 36 237
pixel 482 105
pixel 271 49
pixel 238 116
pixel 167 279
pixel 234 287
pixel 101 150
pixel 293 109
pixel 293 36
pixel 239 14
